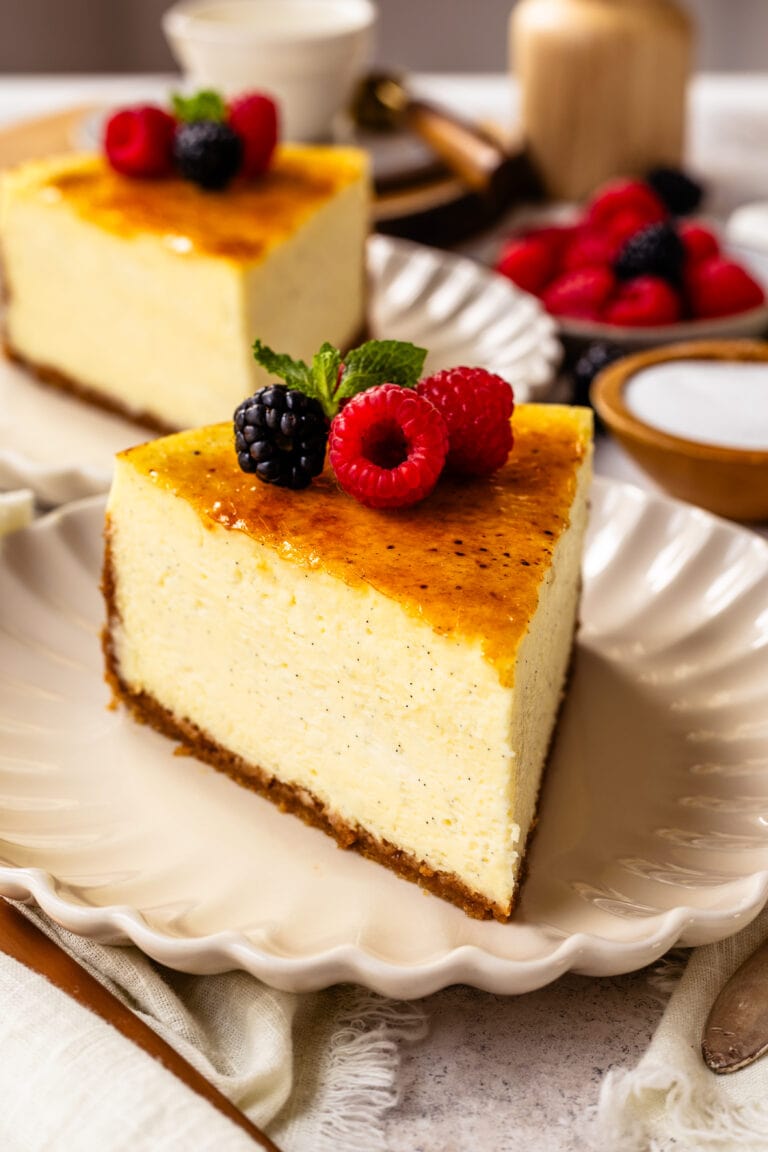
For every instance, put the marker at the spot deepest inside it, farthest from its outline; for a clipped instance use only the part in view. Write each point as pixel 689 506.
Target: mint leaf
pixel 295 372
pixel 204 105
pixel 325 374
pixel 376 362
pixel 380 362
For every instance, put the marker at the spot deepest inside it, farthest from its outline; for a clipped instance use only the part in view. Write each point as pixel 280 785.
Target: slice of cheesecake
pixel 393 677
pixel 144 294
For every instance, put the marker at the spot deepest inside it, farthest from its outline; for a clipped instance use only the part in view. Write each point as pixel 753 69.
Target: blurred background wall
pixel 424 35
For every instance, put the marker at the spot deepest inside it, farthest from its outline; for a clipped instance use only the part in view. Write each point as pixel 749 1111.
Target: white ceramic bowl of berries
pixel 635 267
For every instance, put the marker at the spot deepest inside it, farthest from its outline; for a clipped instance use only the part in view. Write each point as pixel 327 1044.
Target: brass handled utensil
pixel 479 159
pixel 23 941
pixel 736 1031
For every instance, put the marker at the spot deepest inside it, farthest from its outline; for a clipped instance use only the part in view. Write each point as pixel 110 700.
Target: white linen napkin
pixel 671 1100
pixel 317 1071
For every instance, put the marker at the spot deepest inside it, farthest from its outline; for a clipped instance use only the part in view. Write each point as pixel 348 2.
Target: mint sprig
pixel 204 105
pixel 375 362
pixel 379 362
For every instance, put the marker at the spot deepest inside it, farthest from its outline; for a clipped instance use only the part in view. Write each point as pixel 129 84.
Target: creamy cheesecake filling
pixel 330 687
pixel 543 659
pixel 333 688
pixel 154 325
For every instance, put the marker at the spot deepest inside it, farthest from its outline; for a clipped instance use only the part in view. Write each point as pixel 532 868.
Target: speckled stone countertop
pixel 498 1073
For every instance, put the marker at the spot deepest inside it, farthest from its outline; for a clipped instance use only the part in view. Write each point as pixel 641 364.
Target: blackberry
pixel 281 436
pixel 208 153
pixel 656 250
pixel 679 193
pixel 592 360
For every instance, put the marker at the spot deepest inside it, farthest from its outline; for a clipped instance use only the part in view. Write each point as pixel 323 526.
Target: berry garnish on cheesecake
pixel 477 408
pixel 390 432
pixel 204 139
pixel 281 436
pixel 139 141
pixel 388 447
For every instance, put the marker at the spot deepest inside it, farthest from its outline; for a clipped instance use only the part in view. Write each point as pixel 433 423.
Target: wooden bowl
pixel 731 482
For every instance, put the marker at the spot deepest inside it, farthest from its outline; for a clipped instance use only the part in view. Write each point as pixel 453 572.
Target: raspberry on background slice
pixel 138 141
pixel 644 302
pixel 699 242
pixel 530 263
pixel 624 195
pixel 718 287
pixel 476 406
pixel 388 446
pixel 255 118
pixel 581 294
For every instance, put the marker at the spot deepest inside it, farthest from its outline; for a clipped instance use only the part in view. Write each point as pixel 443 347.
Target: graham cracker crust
pixel 289 798
pixel 63 383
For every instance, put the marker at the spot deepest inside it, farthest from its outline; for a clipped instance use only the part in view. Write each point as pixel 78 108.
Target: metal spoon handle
pixel 736 1031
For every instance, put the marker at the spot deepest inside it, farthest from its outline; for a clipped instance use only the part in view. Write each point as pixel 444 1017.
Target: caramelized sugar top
pixel 468 560
pixel 242 223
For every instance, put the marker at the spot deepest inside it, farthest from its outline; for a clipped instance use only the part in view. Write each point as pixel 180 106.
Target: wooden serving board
pixel 43 136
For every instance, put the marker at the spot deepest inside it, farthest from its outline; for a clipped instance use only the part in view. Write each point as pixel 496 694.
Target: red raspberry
pixel 255 119
pixel 139 141
pixel 476 407
pixel 388 446
pixel 625 195
pixel 529 263
pixel 643 302
pixel 588 250
pixel 719 287
pixel 557 237
pixel 699 242
pixel 581 293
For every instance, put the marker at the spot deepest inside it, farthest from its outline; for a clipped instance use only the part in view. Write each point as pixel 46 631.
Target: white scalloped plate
pixel 654 820
pixel 62 448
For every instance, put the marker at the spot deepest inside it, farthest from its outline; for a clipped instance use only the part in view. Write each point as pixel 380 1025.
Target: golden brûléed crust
pixel 469 560
pixel 243 225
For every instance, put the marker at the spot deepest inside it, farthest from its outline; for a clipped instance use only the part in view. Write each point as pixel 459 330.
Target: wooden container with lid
pixel 603 87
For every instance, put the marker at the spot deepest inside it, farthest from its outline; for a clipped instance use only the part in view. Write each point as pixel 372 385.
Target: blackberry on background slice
pixel 593 359
pixel 656 250
pixel 208 153
pixel 681 194
pixel 280 436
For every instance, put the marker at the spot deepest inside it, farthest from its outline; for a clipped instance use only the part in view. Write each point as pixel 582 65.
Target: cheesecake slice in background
pixel 144 295
pixel 392 677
